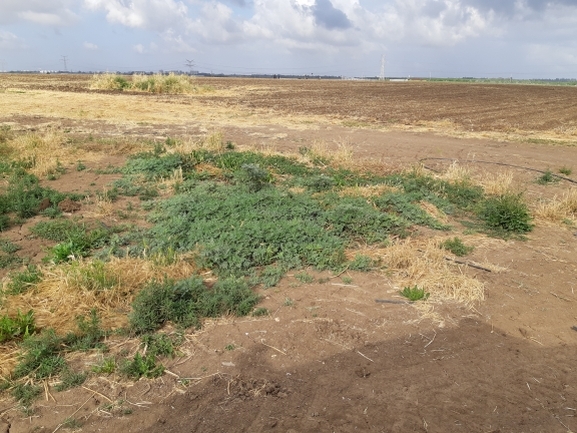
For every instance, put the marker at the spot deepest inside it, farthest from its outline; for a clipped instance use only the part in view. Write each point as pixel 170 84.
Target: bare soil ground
pixel 329 358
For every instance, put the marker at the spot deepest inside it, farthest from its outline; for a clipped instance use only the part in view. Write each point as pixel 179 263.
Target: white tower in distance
pixel 382 74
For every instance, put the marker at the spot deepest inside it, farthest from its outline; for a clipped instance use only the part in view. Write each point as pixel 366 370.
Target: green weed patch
pixel 186 302
pixel 23 196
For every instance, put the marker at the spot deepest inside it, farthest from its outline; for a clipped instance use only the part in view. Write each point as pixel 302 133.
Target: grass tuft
pixel 456 246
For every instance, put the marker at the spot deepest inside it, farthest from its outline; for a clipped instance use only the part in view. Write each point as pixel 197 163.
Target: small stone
pixel 44 204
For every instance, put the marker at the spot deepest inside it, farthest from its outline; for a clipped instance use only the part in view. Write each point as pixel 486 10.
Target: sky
pixel 522 39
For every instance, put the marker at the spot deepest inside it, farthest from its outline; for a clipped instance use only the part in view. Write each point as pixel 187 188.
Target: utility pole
pixel 64 58
pixel 190 65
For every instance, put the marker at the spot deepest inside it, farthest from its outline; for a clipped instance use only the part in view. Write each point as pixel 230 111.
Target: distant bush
pixel 157 83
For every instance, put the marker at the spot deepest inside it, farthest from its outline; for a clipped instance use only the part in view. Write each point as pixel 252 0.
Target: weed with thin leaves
pixel 71 423
pixel 26 393
pixel 9 261
pixel 94 276
pixel 89 335
pixel 566 171
pixel 70 379
pixel 106 366
pixel 8 247
pixel 24 280
pixel 42 356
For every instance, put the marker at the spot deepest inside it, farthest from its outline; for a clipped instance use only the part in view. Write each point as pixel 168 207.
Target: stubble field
pixel 371 188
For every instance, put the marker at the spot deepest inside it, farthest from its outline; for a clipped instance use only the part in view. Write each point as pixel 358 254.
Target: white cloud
pixel 44 12
pixel 90 46
pixel 9 41
pixel 139 48
pixel 157 15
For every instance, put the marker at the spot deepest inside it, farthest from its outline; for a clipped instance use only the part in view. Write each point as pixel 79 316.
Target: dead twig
pixel 75 412
pixel 97 393
pixel 364 356
pixel 391 301
pixel 433 339
pixel 272 347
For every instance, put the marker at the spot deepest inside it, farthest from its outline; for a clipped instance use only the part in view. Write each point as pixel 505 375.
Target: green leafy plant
pixel 414 293
pixel 158 344
pixel 506 213
pixel 456 246
pixel 361 263
pixel 304 277
pixel 566 171
pixel 547 177
pixel 259 312
pixel 254 176
pixel 142 366
pixel 17 327
pixel 43 354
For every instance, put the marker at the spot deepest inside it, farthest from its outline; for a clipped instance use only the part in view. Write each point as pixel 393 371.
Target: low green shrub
pixel 506 213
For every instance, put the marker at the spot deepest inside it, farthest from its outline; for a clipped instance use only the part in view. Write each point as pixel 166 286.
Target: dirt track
pixel 334 360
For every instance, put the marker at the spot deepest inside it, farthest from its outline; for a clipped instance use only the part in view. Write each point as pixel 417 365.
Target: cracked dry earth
pixel 331 359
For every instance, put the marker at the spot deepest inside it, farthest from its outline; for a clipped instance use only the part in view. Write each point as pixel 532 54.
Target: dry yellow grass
pixel 497 183
pixel 558 209
pixel 44 150
pixel 456 173
pixel 103 206
pixel 65 293
pixel 423 263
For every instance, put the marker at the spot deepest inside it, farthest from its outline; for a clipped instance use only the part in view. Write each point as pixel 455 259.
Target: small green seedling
pixel 414 293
